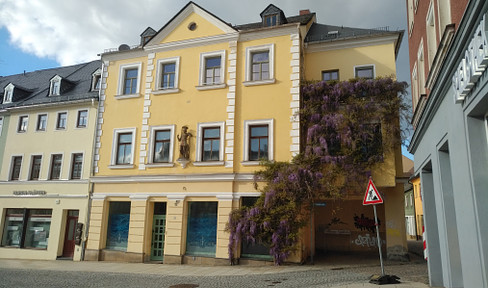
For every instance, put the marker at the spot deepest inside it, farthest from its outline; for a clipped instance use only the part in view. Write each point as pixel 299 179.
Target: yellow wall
pixel 419 210
pixel 204 29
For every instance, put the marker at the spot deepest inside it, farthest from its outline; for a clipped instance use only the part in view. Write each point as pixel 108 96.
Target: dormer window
pixel 8 94
pixel 273 16
pixel 55 88
pixel 270 20
pixel 96 80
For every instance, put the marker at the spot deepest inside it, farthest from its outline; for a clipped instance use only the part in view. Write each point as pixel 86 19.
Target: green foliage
pixel 347 128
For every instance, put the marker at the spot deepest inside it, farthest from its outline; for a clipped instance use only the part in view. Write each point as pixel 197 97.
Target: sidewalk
pixel 181 270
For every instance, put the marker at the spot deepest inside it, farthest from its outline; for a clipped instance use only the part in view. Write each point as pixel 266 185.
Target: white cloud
pixel 76 31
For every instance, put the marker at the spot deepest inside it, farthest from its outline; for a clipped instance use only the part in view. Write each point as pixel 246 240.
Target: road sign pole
pixel 379 240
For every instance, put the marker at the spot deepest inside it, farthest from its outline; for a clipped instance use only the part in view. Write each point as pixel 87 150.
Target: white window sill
pixel 126 96
pixel 166 91
pixel 211 87
pixel 250 163
pixel 124 166
pixel 208 163
pixel 259 82
pixel 159 165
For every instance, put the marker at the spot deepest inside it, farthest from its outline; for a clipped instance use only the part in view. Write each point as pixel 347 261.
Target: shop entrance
pixel 69 237
pixel 158 230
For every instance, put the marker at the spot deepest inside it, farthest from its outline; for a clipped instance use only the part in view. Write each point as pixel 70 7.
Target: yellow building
pixel 419 210
pixel 186 115
pixel 44 181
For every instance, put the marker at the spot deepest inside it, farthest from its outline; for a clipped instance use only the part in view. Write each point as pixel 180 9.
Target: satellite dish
pixel 124 47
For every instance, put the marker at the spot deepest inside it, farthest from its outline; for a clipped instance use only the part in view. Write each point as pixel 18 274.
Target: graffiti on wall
pixel 365 223
pixel 367 241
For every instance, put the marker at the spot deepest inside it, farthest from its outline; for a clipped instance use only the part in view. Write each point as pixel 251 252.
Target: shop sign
pixel 29 192
pixel 473 64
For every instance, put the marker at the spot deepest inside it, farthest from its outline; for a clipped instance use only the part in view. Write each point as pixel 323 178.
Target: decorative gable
pixel 190 23
pixel 273 16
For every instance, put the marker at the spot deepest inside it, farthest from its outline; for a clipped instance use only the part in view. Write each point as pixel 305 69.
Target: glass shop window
pixel 202 229
pixel 249 249
pixel 118 226
pixel 27 228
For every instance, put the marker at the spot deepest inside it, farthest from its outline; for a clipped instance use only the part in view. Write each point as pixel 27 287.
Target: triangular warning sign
pixel 372 196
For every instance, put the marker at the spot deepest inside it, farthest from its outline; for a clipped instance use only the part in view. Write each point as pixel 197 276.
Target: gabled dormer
pixel 96 80
pixel 8 93
pixel 273 16
pixel 147 35
pixel 58 85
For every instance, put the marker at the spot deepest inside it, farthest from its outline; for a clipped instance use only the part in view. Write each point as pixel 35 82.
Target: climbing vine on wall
pixel 347 128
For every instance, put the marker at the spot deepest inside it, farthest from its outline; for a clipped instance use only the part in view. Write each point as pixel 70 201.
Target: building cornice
pixel 190 43
pixel 261 33
pixel 221 177
pixel 52 104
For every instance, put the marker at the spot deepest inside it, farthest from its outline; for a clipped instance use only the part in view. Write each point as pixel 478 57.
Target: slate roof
pixel 302 19
pixel 35 85
pixel 322 32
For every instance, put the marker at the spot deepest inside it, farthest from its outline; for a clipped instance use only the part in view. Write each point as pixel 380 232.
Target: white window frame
pixel 202 85
pixel 29 174
pixel 365 66
pixel 55 80
pixel 11 167
pixel 95 75
pixel 51 164
pixel 78 118
pixel 154 129
pixel 121 84
pixel 8 94
pixel 19 123
pixel 249 52
pixel 159 74
pixel 71 162
pixel 57 120
pixel 198 152
pixel 37 121
pixel 249 123
pixel 113 159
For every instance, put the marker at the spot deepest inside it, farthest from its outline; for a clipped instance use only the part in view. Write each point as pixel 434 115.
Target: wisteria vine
pixel 347 127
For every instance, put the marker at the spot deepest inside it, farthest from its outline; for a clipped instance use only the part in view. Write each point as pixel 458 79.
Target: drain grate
pixel 184 286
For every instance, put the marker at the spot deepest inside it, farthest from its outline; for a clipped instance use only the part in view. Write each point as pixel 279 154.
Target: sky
pixel 41 34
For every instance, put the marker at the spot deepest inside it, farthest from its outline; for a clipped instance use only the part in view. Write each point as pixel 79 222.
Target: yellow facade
pixel 419 210
pixel 174 189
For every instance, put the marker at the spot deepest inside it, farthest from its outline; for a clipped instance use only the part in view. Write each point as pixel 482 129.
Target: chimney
pixel 304 12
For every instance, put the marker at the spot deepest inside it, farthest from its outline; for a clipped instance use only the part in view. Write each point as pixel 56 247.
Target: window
pixel 260 65
pixel 23 121
pixel 16 165
pixel 76 165
pixel 258 141
pixel 118 226
pixel 8 94
pixel 129 80
pixel 330 75
pixel 431 31
pixel 35 167
pixel 161 145
pixel 82 119
pixel 123 148
pixel 61 121
pixel 41 122
pixel 55 87
pixel 167 76
pixel 212 70
pixel 96 80
pixel 27 228
pixel 55 171
pixel 256 250
pixel 270 20
pixel 201 229
pixel 364 72
pixel 210 144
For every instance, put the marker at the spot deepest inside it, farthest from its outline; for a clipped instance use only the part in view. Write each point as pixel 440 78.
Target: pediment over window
pixel 273 16
pixel 58 85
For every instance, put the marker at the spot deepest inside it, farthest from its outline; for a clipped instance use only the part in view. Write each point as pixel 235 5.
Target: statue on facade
pixel 184 140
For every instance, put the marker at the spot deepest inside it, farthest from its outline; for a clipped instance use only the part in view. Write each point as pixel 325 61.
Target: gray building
pixel 450 139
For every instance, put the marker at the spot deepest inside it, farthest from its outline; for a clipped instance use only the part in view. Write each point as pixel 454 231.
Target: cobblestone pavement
pixel 29 273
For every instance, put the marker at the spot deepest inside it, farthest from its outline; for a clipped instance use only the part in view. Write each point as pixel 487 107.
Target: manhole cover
pixel 184 286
